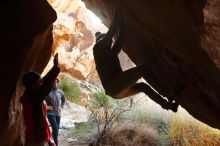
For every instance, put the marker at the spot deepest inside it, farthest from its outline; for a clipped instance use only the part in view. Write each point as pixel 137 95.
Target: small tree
pixel 105 112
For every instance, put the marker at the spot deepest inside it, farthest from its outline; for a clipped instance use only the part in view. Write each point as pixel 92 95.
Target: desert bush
pixel 71 89
pixel 105 112
pixel 85 131
pixel 157 118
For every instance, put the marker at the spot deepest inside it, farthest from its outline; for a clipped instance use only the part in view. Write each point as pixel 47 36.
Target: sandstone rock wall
pixel 26 39
pixel 73 35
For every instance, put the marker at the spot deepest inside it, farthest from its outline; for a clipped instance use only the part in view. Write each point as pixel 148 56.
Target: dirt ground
pixel 66 138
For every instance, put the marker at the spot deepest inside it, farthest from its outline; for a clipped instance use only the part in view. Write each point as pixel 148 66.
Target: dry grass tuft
pixel 134 134
pixel 187 131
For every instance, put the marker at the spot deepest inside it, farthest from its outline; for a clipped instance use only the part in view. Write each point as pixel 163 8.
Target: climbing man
pixel 116 82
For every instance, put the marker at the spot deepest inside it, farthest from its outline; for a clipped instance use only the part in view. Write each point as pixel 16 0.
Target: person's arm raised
pixel 116 48
pixel 40 94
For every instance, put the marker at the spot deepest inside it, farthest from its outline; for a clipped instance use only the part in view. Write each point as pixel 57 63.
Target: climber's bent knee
pixel 112 93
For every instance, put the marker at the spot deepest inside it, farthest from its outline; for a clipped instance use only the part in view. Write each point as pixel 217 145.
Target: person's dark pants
pixel 55 124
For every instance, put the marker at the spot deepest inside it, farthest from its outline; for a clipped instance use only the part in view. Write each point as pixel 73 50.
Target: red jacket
pixel 30 135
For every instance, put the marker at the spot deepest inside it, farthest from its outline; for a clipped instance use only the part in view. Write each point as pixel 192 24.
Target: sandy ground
pixel 72 113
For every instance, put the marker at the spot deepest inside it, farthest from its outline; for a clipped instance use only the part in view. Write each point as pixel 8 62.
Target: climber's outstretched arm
pixel 120 39
pixel 113 27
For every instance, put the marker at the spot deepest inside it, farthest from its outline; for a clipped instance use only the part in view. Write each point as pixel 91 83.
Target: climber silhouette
pixel 116 82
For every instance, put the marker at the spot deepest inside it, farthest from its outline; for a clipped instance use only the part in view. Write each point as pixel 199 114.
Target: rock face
pixel 178 41
pixel 26 39
pixel 73 35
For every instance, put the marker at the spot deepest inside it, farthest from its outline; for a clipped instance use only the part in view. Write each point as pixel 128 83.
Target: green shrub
pixel 106 112
pixel 71 89
pixel 100 99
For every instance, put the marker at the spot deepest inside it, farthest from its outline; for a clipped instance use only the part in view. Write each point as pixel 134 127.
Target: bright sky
pixel 94 18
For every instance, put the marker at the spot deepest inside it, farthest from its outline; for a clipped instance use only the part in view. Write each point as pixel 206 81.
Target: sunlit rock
pixel 73 39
